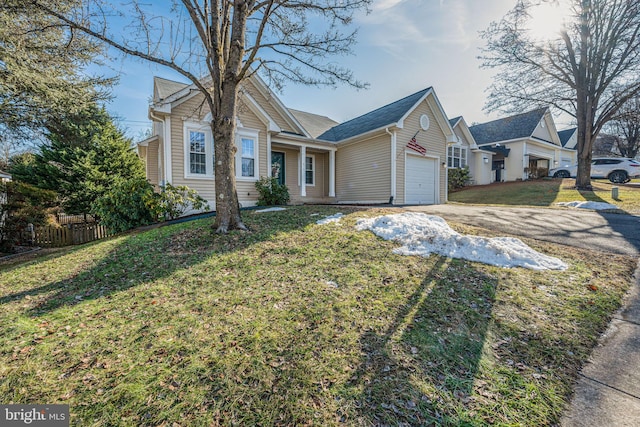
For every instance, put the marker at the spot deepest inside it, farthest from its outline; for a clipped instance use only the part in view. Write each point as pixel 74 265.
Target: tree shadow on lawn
pixel 146 257
pixel 425 363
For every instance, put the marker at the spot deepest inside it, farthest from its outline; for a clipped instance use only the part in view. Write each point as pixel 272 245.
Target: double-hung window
pixel 197 153
pixel 247 155
pixel 456 156
pixel 309 169
pixel 198 161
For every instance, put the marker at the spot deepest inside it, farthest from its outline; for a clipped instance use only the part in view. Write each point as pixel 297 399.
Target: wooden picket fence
pixel 70 234
pixel 64 219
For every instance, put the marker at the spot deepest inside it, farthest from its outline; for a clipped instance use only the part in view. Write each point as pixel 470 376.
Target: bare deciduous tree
pixel 218 44
pixel 624 129
pixel 588 71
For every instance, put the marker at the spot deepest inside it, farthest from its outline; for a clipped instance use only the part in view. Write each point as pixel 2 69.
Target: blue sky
pixel 403 46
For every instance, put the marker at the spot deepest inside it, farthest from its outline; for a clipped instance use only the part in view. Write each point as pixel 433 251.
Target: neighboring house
pixel 465 152
pixel 4 177
pixel 569 141
pixel 522 144
pixel 396 153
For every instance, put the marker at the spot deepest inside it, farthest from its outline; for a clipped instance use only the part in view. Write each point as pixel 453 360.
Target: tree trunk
pixel 584 145
pixel 584 115
pixel 223 127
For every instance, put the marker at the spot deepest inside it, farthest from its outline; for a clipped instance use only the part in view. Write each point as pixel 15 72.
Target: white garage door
pixel 420 179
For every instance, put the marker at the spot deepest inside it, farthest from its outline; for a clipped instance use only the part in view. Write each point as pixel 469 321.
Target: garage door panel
pixel 420 178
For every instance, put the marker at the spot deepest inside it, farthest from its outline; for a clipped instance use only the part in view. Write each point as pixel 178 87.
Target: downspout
pixel 393 164
pixel 164 144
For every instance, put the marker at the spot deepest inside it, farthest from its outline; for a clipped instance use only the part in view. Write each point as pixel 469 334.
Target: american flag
pixel 413 144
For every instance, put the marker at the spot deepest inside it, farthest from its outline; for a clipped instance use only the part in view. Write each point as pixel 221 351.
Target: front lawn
pixel 547 192
pixel 297 324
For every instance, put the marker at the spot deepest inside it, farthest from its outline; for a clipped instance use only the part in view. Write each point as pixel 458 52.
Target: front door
pixel 277 166
pixel 498 166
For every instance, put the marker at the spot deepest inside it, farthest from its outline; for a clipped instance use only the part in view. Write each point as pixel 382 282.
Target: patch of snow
pixel 328 219
pixel 597 206
pixel 422 234
pixel 271 210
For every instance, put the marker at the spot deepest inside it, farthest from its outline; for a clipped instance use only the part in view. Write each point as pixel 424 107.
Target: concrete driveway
pixel 607 232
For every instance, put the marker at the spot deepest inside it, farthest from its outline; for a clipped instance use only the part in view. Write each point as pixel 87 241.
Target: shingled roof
pixel 166 88
pixel 514 127
pixel 455 121
pixel 376 119
pixel 565 135
pixel 313 123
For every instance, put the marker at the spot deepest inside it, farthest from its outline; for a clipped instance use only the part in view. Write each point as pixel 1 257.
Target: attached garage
pixel 421 180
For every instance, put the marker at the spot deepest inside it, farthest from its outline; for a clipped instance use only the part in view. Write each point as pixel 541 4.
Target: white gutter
pixel 166 145
pixel 393 163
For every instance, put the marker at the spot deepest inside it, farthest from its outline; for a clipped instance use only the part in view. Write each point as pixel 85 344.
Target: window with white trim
pixel 198 161
pixel 456 156
pixel 309 170
pixel 247 155
pixel 197 153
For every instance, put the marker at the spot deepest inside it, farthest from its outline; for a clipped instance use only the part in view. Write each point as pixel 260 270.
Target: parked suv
pixel 615 169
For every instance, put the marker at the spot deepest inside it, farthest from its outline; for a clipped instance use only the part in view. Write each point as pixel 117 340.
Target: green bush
pixel 129 203
pixel 175 201
pixel 21 204
pixel 458 178
pixel 271 192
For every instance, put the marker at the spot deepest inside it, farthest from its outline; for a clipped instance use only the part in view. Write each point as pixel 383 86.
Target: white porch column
pixel 332 173
pixel 303 175
pixel 269 164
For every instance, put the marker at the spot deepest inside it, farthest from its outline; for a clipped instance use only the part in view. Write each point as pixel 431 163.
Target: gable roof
pixel 514 127
pixel 565 135
pixel 376 119
pixel 453 122
pixel 165 88
pixel 314 124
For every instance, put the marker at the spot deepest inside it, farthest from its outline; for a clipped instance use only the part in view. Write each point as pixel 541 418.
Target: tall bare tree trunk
pixel 223 128
pixel 583 104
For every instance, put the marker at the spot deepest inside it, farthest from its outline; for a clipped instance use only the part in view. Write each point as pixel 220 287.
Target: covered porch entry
pixel 308 170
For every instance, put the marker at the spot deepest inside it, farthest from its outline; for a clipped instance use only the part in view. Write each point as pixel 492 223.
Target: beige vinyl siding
pixel 542 132
pixel 363 171
pixel 514 167
pixel 267 106
pixel 321 171
pixel 152 163
pixel 190 111
pixel 481 172
pixel 292 176
pixel 290 170
pixel 433 139
pixel 461 136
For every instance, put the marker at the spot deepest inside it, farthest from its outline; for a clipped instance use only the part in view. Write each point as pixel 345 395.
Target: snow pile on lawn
pixel 276 209
pixel 597 206
pixel 328 219
pixel 422 234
